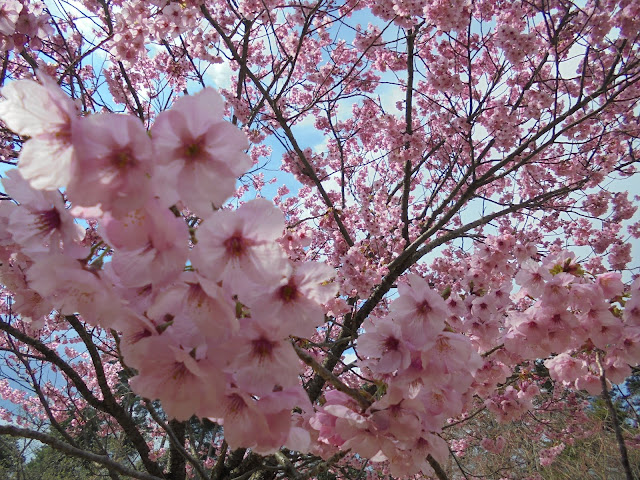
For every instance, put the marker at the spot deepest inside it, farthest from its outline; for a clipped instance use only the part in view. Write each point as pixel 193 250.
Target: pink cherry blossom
pixel 235 246
pixel 203 154
pixel 385 346
pixel 180 375
pixel 263 361
pixel 73 287
pixel 419 310
pixel 199 301
pixel 293 305
pixel 9 13
pixel 150 244
pixel 114 164
pixel 46 114
pixel 42 222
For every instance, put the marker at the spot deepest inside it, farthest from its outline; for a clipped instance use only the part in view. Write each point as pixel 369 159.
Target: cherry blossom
pixel 452 248
pixel 201 154
pixel 46 114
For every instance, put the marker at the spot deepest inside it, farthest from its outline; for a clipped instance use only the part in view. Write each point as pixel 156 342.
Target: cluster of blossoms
pixel 22 22
pixel 560 311
pixel 512 403
pixel 575 316
pixel 206 300
pixel 425 371
pixel 204 315
pixel 583 324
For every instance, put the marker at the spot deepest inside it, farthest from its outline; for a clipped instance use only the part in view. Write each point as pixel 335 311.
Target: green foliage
pixel 11 459
pixel 53 465
pixel 48 463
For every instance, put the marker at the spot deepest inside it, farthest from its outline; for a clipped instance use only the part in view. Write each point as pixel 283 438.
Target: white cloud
pixel 220 74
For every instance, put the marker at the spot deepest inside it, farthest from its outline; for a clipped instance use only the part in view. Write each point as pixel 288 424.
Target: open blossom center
pixel 63 135
pixel 49 220
pixel 139 335
pixel 235 245
pixel 288 293
pixel 194 149
pixel 180 371
pixel 424 308
pixel 391 344
pixel 556 319
pixel 196 295
pixel 236 403
pixel 442 344
pixel 123 159
pixel 262 347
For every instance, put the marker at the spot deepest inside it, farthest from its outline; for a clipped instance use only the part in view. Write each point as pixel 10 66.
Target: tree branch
pixel 440 473
pixel 624 457
pixel 357 395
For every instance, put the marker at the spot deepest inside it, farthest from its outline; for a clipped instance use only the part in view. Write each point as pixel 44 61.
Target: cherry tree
pixel 262 240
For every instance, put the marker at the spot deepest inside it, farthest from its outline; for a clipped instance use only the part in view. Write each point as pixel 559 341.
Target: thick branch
pixel 52 357
pixel 408 117
pixel 110 407
pixel 176 440
pixel 289 468
pixel 357 395
pixel 110 403
pixel 177 462
pixel 440 473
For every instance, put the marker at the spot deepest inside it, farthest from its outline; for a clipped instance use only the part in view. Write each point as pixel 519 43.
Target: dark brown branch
pixel 357 395
pixel 139 110
pixel 440 473
pixel 193 63
pixel 624 456
pixel 177 462
pixel 218 468
pixel 29 59
pixel 242 75
pixel 288 467
pixel 110 404
pixel 3 71
pixel 408 118
pixel 177 445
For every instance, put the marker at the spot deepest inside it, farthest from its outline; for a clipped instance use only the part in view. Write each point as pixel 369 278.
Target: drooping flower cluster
pixel 575 316
pixel 206 327
pixel 427 371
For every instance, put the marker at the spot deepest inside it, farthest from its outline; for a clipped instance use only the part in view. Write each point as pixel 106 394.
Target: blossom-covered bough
pixel 458 245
